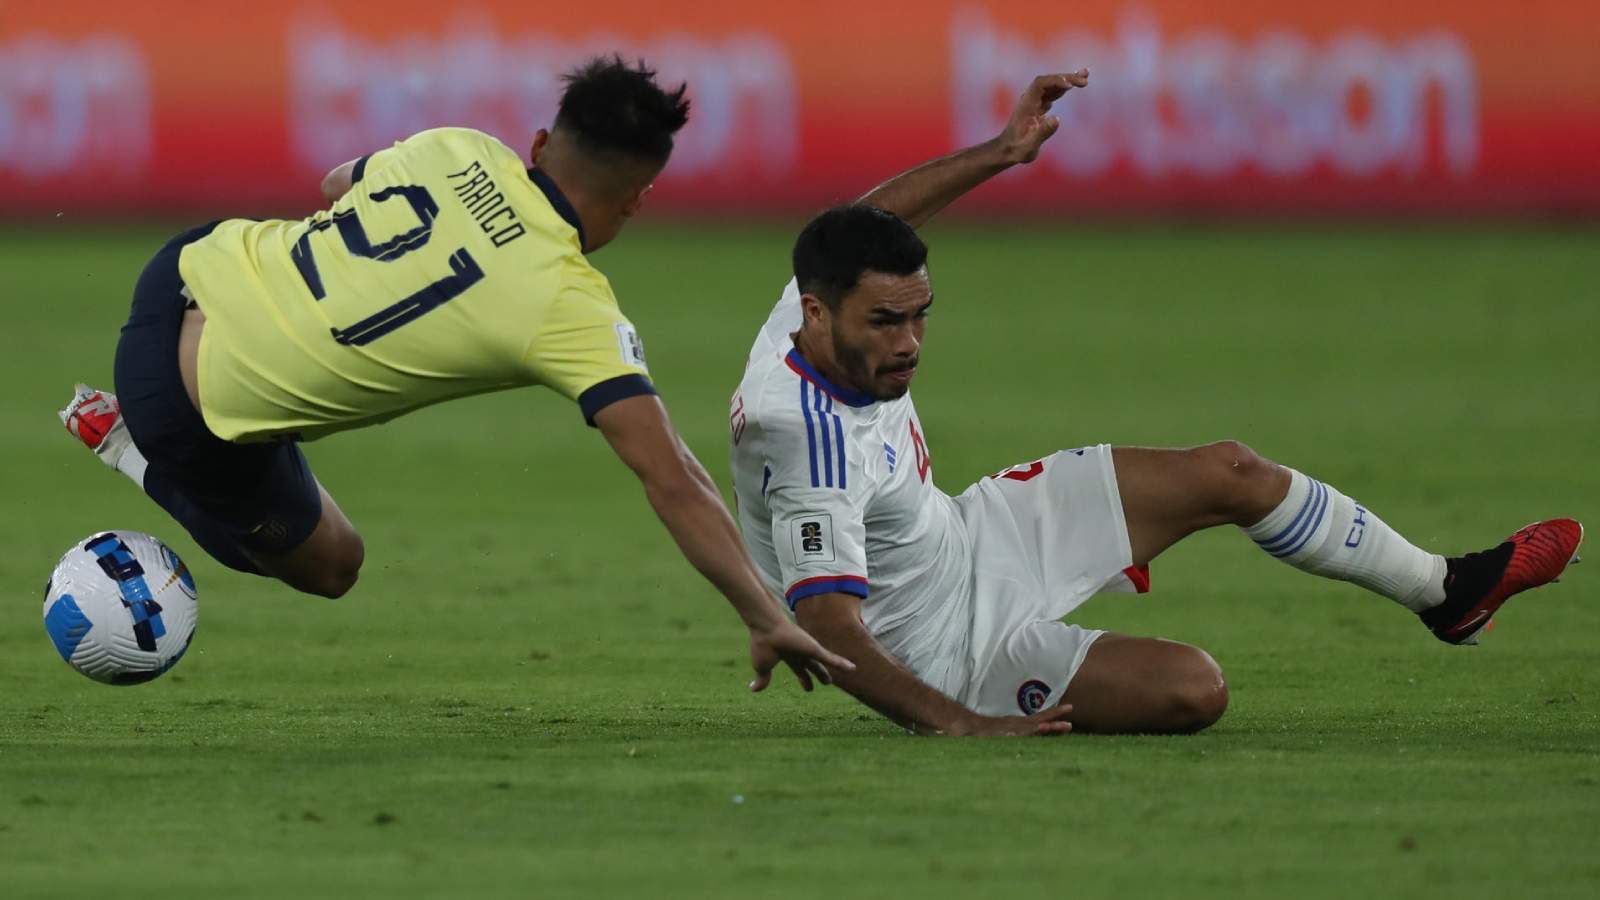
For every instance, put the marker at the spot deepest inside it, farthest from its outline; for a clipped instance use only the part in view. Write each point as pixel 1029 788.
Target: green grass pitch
pixel 531 695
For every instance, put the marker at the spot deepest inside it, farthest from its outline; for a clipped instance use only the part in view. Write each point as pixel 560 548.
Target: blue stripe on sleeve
pixel 360 169
pixel 811 435
pixel 844 584
pixel 827 440
pixel 838 433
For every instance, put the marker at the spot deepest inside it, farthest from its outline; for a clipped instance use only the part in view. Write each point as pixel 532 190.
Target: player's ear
pixel 540 138
pixel 636 200
pixel 815 312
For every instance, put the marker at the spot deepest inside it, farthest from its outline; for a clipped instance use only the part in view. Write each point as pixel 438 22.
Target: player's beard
pixel 863 375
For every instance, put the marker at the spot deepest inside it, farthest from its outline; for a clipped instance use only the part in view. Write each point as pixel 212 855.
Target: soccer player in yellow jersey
pixel 445 267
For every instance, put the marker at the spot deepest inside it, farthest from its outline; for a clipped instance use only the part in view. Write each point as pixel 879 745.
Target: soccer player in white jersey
pixel 445 267
pixel 950 606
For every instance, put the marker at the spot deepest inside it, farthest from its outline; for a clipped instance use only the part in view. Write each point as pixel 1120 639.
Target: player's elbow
pixel 332 190
pixel 338 182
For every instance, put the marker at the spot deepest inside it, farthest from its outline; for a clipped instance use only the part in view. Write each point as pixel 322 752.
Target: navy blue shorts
pixel 237 500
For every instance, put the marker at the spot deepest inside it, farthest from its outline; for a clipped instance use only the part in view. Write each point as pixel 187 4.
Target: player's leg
pixel 146 354
pixel 326 563
pixel 1116 684
pixel 1169 494
pixel 1147 686
pixel 261 511
pixel 1045 537
pixel 255 508
pixel 293 530
pixel 95 419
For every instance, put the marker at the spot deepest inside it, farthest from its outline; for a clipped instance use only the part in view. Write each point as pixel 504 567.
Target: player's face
pixel 877 332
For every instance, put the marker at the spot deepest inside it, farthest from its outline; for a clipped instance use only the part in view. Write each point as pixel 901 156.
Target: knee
pixel 340 571
pixel 335 584
pixel 1199 696
pixel 1243 484
pixel 347 568
pixel 1232 459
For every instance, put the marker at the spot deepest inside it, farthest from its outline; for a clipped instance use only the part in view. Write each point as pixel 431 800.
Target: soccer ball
pixel 120 607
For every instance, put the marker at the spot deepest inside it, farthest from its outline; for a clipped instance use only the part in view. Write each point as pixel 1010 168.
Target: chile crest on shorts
pixel 1032 696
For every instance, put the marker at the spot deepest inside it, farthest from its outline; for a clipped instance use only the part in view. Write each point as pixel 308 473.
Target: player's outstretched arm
pixel 688 503
pixel 918 194
pixel 881 682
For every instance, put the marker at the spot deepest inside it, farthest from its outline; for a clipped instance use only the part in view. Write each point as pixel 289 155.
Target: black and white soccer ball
pixel 121 607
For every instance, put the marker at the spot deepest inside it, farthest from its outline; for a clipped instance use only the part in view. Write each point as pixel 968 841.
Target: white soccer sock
pixel 118 452
pixel 133 464
pixel 1317 529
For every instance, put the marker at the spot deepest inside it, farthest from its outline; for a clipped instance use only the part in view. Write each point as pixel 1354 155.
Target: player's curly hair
pixel 618 110
pixel 842 243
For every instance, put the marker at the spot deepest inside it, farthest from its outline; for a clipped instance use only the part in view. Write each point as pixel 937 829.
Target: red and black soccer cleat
pixel 95 418
pixel 1478 583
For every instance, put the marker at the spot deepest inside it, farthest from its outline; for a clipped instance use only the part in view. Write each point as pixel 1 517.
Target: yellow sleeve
pixel 587 351
pixel 372 162
pixel 376 160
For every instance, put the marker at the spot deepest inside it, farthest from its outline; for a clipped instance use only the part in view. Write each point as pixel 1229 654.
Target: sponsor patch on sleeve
pixel 632 348
pixel 812 534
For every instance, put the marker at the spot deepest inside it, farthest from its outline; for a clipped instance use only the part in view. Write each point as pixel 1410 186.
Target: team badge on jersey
pixel 812 534
pixel 632 348
pixel 1032 696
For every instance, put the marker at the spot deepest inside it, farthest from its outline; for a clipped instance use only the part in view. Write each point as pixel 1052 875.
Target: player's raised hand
pixel 1031 123
pixel 790 643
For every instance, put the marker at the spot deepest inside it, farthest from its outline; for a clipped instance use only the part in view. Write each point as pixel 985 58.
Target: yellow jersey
pixel 449 269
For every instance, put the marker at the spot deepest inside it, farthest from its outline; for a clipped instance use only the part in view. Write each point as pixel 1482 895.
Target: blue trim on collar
pixel 843 395
pixel 558 200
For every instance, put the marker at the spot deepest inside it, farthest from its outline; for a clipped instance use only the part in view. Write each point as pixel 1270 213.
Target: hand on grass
pixel 1051 722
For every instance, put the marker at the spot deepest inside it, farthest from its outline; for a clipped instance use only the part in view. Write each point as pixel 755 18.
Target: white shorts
pixel 1046 536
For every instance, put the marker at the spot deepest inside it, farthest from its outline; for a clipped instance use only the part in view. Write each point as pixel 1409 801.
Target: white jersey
pixel 835 494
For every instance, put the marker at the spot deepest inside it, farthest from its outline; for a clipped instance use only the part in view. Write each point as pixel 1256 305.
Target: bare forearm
pixel 688 503
pixel 694 514
pixel 917 195
pixel 883 683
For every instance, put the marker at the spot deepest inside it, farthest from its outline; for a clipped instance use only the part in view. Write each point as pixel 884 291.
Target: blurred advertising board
pixel 1427 107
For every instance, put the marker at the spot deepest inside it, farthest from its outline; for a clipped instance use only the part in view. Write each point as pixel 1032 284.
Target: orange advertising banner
pixel 1232 106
